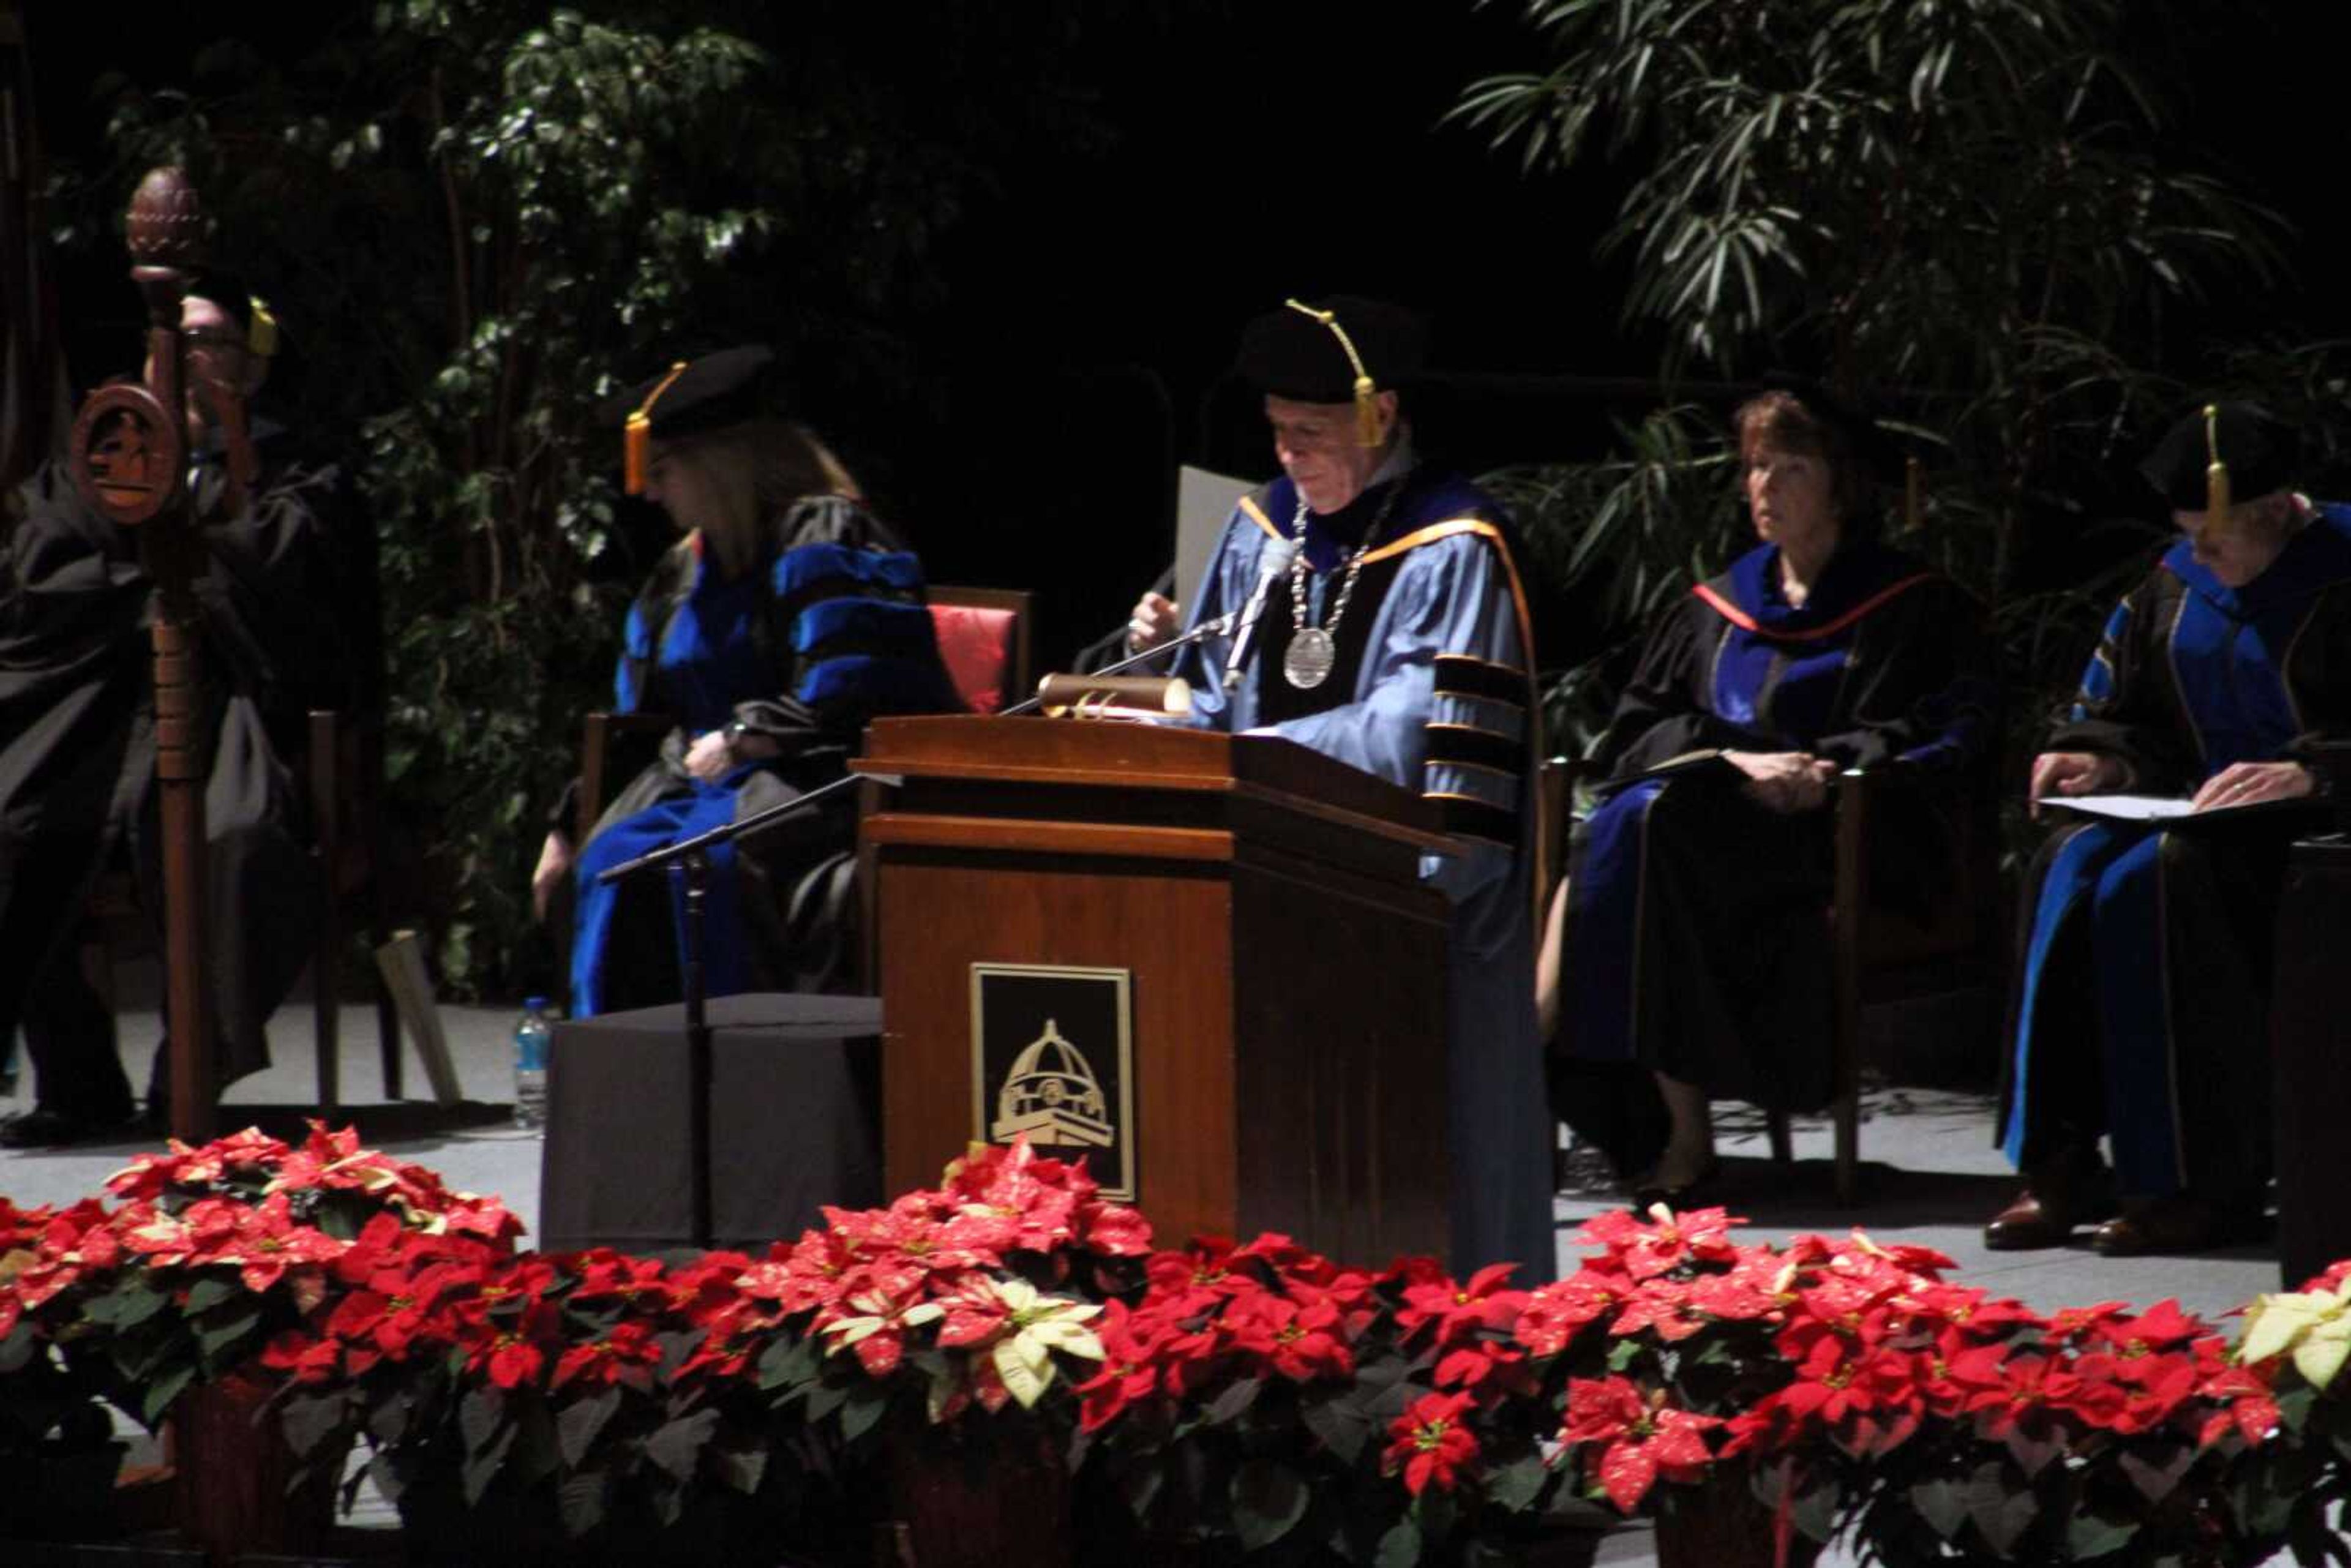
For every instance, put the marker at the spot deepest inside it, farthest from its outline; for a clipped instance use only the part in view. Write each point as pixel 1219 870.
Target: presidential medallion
pixel 1307 664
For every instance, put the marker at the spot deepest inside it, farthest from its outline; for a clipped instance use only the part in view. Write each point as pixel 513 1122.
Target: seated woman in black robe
pixel 1695 959
pixel 785 617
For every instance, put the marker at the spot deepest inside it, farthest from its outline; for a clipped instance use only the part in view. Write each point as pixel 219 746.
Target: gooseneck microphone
pixel 1271 562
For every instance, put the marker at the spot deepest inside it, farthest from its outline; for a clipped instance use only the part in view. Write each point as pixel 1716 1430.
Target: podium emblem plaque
pixel 1052 1059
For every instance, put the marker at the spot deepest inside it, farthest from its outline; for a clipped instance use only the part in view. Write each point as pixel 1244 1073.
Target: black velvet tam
pixel 1290 354
pixel 2261 451
pixel 710 393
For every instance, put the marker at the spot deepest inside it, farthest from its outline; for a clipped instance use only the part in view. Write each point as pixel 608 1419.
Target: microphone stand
pixel 692 856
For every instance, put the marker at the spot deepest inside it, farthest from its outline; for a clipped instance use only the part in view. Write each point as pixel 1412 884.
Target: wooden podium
pixel 1217 948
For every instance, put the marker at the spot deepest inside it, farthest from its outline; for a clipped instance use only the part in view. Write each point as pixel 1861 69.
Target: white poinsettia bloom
pixel 1035 1326
pixel 2315 1325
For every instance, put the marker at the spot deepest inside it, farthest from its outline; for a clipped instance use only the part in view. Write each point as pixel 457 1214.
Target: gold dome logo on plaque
pixel 1053 1095
pixel 1052 1060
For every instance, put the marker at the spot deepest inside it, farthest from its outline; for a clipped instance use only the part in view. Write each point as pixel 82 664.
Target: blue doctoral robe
pixel 1697 942
pixel 1433 690
pixel 2141 1004
pixel 828 631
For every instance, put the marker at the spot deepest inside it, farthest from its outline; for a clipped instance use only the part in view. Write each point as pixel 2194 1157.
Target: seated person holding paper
pixel 2224 678
pixel 1395 640
pixel 1693 959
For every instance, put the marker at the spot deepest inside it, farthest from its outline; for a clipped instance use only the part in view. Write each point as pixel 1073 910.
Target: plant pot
pixel 1721 1524
pixel 231 1475
pixel 997 1499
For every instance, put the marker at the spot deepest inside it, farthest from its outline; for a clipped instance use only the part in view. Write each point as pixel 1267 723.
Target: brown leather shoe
pixel 2060 1196
pixel 2180 1223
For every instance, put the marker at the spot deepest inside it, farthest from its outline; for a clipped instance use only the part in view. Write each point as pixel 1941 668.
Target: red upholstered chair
pixel 984 640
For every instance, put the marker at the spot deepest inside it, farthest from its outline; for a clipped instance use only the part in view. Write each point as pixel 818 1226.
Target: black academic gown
pixel 1697 931
pixel 77 758
pixel 2144 952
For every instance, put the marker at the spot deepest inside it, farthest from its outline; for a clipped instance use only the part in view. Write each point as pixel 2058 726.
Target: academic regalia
pixel 827 631
pixel 2142 1000
pixel 1432 688
pixel 1697 942
pixel 78 756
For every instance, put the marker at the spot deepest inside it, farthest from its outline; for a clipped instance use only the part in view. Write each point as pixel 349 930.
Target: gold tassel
pixel 2216 473
pixel 1913 487
pixel 637 436
pixel 261 333
pixel 1367 393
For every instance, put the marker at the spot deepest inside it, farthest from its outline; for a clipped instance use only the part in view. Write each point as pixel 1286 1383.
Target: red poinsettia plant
pixel 1250 1396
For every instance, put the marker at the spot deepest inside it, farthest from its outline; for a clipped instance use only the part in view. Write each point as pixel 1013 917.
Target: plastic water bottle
pixel 530 1037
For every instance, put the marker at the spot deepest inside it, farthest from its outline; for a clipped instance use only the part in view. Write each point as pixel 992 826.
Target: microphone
pixel 1271 562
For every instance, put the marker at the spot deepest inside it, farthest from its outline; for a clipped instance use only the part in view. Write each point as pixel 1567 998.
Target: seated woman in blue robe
pixel 1693 959
pixel 786 618
pixel 2142 996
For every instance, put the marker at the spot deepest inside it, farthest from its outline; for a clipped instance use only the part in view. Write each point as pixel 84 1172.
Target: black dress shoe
pixel 2061 1194
pixel 42 1128
pixel 1648 1192
pixel 2180 1223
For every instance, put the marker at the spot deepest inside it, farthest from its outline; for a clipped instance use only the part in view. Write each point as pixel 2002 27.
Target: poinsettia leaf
pixel 208 1294
pixel 309 1419
pixel 2087 1536
pixel 483 1465
pixel 163 1391
pixel 1336 1424
pixel 2002 1515
pixel 1623 1353
pixel 824 1398
pixel 1140 1487
pixel 226 1330
pixel 1232 1402
pixel 788 1362
pixel 481 1416
pixel 580 1500
pixel 127 1305
pixel 1434 1510
pixel 1942 1503
pixel 537 1452
pixel 384 1471
pixel 1400 1547
pixel 1516 1486
pixel 677 1446
pixel 740 1466
pixel 1019 1369
pixel 17 1349
pixel 1269 1499
pixel 580 1421
pixel 861 1411
pixel 2157 1480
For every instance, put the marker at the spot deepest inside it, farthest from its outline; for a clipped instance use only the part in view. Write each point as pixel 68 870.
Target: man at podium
pixel 1383 625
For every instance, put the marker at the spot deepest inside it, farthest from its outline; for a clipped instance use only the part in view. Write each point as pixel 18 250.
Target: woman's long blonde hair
pixel 758 468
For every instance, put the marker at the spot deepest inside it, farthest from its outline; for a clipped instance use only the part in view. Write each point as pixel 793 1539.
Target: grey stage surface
pixel 1930 1174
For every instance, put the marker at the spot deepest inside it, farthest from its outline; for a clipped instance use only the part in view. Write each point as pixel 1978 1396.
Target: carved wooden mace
pixel 130 459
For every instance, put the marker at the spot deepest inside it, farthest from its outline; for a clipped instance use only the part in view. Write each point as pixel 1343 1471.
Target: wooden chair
pixel 1880 955
pixel 342 783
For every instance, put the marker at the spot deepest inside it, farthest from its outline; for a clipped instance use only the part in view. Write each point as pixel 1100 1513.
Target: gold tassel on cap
pixel 1367 408
pixel 637 438
pixel 2216 473
pixel 261 331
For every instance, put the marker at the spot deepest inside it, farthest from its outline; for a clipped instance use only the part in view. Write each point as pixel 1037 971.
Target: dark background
pixel 1086 311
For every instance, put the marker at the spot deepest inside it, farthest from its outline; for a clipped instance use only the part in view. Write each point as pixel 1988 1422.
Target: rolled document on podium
pixel 1114 697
